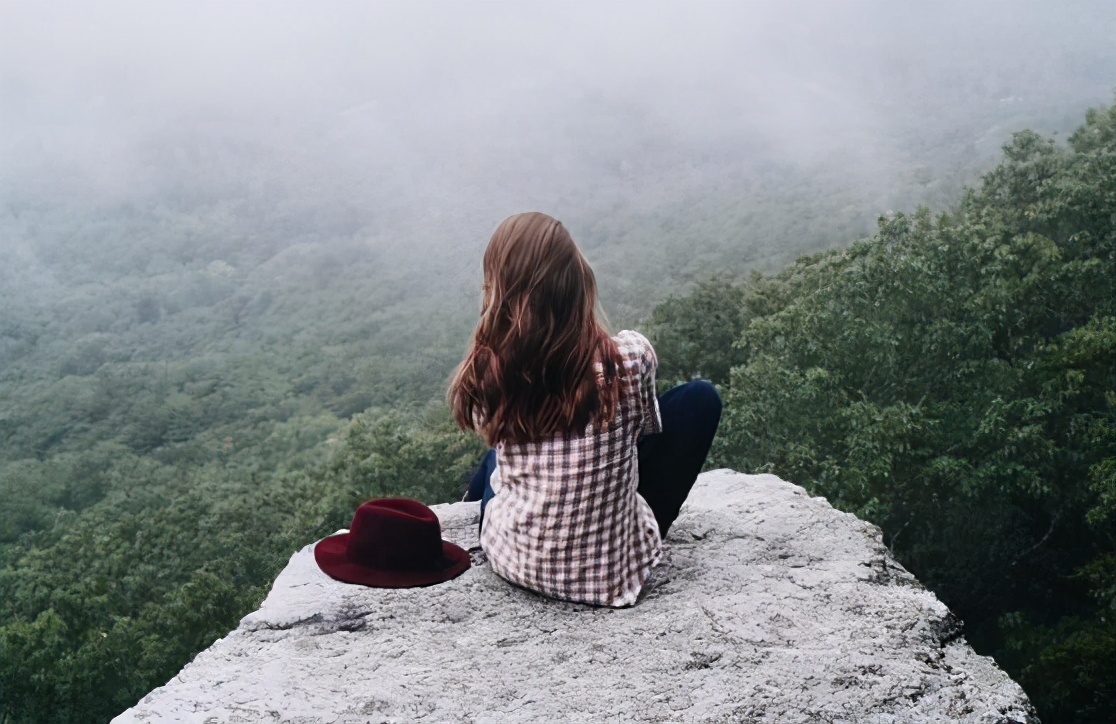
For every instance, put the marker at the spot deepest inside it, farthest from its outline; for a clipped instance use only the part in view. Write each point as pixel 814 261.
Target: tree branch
pixel 1036 546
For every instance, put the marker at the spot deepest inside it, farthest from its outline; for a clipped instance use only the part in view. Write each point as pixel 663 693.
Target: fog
pixel 417 126
pixel 240 257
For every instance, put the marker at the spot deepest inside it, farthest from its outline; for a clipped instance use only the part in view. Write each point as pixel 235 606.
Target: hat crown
pixel 397 535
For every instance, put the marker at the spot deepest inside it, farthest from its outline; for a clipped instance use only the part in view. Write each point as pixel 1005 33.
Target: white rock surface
pixel 770 606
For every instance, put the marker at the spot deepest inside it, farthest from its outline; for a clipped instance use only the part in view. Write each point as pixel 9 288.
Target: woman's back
pixel 566 519
pixel 590 468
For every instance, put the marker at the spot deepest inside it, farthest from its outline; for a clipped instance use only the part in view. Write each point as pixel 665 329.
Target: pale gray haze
pixel 240 258
pixel 413 128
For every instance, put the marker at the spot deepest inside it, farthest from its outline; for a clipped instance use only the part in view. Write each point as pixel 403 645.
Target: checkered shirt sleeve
pixel 566 520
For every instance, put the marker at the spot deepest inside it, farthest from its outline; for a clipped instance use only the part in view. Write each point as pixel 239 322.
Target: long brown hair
pixel 531 370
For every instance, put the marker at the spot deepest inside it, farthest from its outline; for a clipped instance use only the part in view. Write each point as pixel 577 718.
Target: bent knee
pixel 704 394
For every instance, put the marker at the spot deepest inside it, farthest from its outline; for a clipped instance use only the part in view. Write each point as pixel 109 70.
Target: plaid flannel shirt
pixel 566 520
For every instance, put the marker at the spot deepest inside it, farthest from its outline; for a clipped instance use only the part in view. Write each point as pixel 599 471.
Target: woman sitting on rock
pixel 587 469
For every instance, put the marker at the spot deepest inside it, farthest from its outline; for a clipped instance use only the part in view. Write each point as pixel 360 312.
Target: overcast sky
pixel 162 59
pixel 526 98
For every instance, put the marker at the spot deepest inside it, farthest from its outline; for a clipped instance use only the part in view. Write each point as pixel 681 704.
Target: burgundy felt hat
pixel 392 543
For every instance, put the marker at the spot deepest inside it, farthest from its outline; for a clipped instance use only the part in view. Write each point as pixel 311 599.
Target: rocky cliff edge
pixel 769 606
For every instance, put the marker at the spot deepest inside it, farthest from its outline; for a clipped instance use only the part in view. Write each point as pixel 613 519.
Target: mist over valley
pixel 240 254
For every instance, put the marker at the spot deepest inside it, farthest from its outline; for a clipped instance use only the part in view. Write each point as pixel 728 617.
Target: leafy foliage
pixel 199 376
pixel 952 380
pixel 118 598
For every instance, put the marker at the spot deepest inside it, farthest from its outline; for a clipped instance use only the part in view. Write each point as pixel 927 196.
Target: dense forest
pixel 953 379
pixel 230 303
pixel 949 378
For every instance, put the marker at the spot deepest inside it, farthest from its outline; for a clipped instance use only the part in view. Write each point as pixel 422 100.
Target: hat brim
pixel 331 555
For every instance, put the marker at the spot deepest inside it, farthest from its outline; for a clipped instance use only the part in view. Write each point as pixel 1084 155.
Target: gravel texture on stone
pixel 769 606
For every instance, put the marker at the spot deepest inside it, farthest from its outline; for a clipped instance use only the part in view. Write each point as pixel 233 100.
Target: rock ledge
pixel 769 606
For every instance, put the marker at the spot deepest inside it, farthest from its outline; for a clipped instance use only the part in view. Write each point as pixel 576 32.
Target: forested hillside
pixel 223 328
pixel 200 378
pixel 953 379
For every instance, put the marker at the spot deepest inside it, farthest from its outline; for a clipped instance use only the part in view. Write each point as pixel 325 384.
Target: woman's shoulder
pixel 630 337
pixel 635 347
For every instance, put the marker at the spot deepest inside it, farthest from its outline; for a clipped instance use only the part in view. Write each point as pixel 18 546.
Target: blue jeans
pixel 669 462
pixel 480 487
